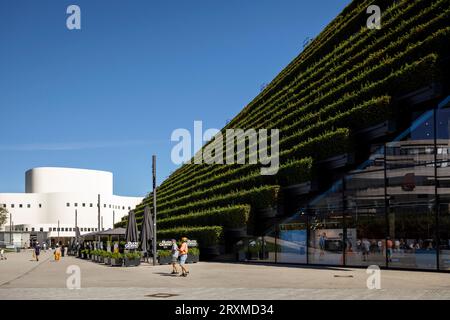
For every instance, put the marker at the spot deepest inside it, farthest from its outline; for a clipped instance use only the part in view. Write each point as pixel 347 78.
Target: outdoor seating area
pixel 126 247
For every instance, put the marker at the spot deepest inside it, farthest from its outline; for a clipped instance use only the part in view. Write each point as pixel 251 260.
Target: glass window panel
pixel 292 241
pixel 411 237
pixel 415 146
pixel 411 194
pixel 326 241
pixel 269 247
pixel 444 235
pixel 365 219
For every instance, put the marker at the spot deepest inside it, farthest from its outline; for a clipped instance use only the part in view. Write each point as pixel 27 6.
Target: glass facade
pixel 393 211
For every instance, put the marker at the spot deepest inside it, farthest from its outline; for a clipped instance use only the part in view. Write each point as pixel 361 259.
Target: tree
pixel 3 216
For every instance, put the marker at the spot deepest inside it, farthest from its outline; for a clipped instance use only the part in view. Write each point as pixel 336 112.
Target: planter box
pixel 192 258
pixel 100 259
pixel 116 262
pixel 94 258
pixel 132 262
pixel 165 260
pixel 107 261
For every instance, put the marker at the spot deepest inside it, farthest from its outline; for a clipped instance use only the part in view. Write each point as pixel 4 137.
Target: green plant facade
pixel 347 79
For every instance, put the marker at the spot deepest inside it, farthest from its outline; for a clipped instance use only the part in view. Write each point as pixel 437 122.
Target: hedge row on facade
pixel 338 139
pixel 320 147
pixel 205 236
pixel 258 198
pixel 228 217
pixel 205 189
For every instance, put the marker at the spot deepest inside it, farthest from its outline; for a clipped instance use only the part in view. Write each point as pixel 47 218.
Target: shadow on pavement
pixel 269 264
pixel 164 274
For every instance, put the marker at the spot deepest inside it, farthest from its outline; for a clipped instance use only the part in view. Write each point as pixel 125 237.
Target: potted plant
pixel 101 256
pixel 116 259
pixel 94 255
pixel 132 259
pixel 193 255
pixel 84 253
pixel 164 256
pixel 107 257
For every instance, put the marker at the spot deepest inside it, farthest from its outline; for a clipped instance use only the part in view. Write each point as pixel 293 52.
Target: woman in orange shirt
pixel 183 256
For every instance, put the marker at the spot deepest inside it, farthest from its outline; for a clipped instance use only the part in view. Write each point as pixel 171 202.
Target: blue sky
pixel 108 96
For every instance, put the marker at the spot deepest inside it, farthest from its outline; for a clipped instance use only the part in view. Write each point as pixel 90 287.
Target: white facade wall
pixel 66 193
pixel 58 180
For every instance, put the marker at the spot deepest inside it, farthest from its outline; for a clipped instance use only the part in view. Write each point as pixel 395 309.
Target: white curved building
pixel 58 196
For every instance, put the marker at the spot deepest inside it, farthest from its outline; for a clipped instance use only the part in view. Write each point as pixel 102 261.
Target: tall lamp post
pixel 154 207
pixel 76 226
pixel 10 229
pixel 98 221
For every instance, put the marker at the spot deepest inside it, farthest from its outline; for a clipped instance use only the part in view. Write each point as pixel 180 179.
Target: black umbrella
pixel 146 229
pixel 78 238
pixel 131 234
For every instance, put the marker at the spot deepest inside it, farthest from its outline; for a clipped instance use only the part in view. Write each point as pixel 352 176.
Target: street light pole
pixel 10 229
pixel 76 227
pixel 98 220
pixel 154 208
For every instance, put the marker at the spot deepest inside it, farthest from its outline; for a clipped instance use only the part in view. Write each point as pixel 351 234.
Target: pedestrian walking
pixel 37 250
pixel 2 255
pixel 63 249
pixel 183 250
pixel 175 255
pixel 57 253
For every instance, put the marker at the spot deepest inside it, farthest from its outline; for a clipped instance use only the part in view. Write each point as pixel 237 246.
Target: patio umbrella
pixel 131 234
pixel 77 235
pixel 146 230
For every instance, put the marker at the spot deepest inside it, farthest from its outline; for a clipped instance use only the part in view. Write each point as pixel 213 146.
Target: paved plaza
pixel 22 278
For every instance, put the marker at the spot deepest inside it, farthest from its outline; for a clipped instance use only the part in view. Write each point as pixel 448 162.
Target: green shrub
pixel 133 255
pixel 229 217
pixel 205 236
pixel 261 197
pixel 194 251
pixel 117 255
pixel 164 253
pixel 295 172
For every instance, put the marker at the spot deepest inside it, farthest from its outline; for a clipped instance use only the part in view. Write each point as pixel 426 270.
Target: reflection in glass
pixel 444 235
pixel 326 233
pixel 411 242
pixel 326 241
pixel 411 188
pixel 292 243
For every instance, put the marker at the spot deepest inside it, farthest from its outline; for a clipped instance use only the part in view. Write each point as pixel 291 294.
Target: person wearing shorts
pixel 183 256
pixel 37 251
pixel 175 255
